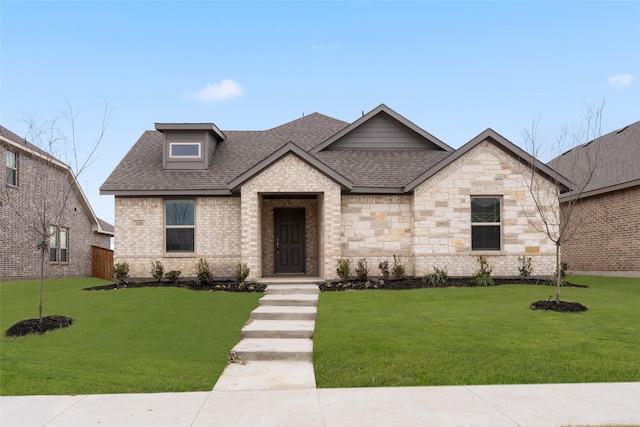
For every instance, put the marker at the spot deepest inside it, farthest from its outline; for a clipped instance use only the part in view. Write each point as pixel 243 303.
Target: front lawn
pixel 121 341
pixel 455 336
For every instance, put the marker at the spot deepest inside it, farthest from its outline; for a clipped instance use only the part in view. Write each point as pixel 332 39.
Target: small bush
pixel 203 272
pixel 344 268
pixel 157 270
pixel 173 276
pixel 242 271
pixel 398 268
pixel 437 278
pixel 363 269
pixel 121 271
pixel 384 269
pixel 483 275
pixel 525 266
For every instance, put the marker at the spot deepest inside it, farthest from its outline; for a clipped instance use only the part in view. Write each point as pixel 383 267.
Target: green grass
pixel 456 336
pixel 121 341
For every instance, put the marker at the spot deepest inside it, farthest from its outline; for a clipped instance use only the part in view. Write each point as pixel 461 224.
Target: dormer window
pixel 188 146
pixel 184 150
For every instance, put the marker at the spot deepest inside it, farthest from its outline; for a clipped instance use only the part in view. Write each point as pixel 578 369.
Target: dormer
pixel 188 145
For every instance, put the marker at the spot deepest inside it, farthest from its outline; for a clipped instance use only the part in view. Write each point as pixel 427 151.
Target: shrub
pixel 203 272
pixel 398 268
pixel 437 278
pixel 384 269
pixel 173 276
pixel 242 271
pixel 157 270
pixel 121 271
pixel 344 268
pixel 525 266
pixel 483 275
pixel 363 269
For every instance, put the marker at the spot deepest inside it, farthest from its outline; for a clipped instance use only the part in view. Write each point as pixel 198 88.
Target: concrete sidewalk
pixel 515 405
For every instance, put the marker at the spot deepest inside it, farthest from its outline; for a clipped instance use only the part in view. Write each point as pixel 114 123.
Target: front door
pixel 289 240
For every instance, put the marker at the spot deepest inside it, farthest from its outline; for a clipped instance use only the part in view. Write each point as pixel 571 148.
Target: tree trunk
pixel 42 252
pixel 558 272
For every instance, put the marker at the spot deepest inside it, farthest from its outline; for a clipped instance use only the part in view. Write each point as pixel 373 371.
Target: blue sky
pixel 452 68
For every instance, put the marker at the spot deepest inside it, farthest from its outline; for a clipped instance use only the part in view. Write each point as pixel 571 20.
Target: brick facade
pixel 431 227
pixel 608 237
pixel 20 258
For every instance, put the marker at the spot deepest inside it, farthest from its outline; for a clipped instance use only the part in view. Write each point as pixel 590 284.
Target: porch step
pixel 278 329
pixel 267 312
pixel 289 300
pixel 291 289
pixel 253 349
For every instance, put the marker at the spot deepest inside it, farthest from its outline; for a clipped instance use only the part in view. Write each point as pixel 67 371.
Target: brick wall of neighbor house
pixel 615 215
pixel 376 227
pixel 311 233
pixel 442 216
pixel 20 258
pixel 140 231
pixel 294 176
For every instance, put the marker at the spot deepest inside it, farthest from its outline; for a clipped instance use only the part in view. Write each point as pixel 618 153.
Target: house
pixel 294 199
pixel 33 177
pixel 608 237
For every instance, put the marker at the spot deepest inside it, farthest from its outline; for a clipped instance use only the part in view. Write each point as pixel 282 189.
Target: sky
pixel 453 68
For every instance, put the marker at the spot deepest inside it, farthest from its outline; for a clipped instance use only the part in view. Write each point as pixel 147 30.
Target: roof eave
pixel 163 193
pixel 289 148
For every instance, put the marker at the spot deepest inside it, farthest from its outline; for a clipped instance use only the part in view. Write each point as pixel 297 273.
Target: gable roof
pixel 502 143
pixel 617 164
pixel 316 139
pixel 21 144
pixel 376 112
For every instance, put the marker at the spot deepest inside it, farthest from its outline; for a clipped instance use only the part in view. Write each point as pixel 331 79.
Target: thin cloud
pixel 622 80
pixel 217 92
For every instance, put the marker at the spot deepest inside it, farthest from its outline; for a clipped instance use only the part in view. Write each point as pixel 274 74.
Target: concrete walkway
pixel 276 387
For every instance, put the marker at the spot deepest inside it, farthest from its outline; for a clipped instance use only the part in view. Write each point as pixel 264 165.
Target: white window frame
pixel 55 245
pixel 172 156
pixel 487 224
pixel 15 168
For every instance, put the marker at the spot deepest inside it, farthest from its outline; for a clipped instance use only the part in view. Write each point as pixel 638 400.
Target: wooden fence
pixel 102 262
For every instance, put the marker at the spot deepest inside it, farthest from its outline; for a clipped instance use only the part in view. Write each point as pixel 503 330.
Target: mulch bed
pixel 417 283
pixel 33 326
pixel 219 286
pixel 561 306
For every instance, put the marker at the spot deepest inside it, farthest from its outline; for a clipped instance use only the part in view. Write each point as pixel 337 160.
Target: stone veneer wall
pixel 608 238
pixel 291 175
pixel 311 233
pixel 442 216
pixel 376 227
pixel 140 236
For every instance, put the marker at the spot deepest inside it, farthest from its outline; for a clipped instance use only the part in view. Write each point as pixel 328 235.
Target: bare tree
pixel 47 183
pixel 560 223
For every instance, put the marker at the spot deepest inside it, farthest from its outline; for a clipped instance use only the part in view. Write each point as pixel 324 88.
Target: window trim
pixel 487 224
pixel 15 169
pixel 55 247
pixel 167 227
pixel 185 157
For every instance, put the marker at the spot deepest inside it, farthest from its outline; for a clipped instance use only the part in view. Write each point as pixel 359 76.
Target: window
pixel 12 168
pixel 180 225
pixel 485 223
pixel 184 150
pixel 58 244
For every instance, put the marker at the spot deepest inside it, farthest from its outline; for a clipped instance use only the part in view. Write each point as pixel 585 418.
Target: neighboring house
pixel 296 198
pixel 28 170
pixel 608 214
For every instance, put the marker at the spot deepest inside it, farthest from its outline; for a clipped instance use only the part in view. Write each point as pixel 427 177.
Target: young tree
pixel 47 184
pixel 560 223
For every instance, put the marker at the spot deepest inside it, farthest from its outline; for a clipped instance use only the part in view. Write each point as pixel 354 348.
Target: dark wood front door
pixel 289 240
